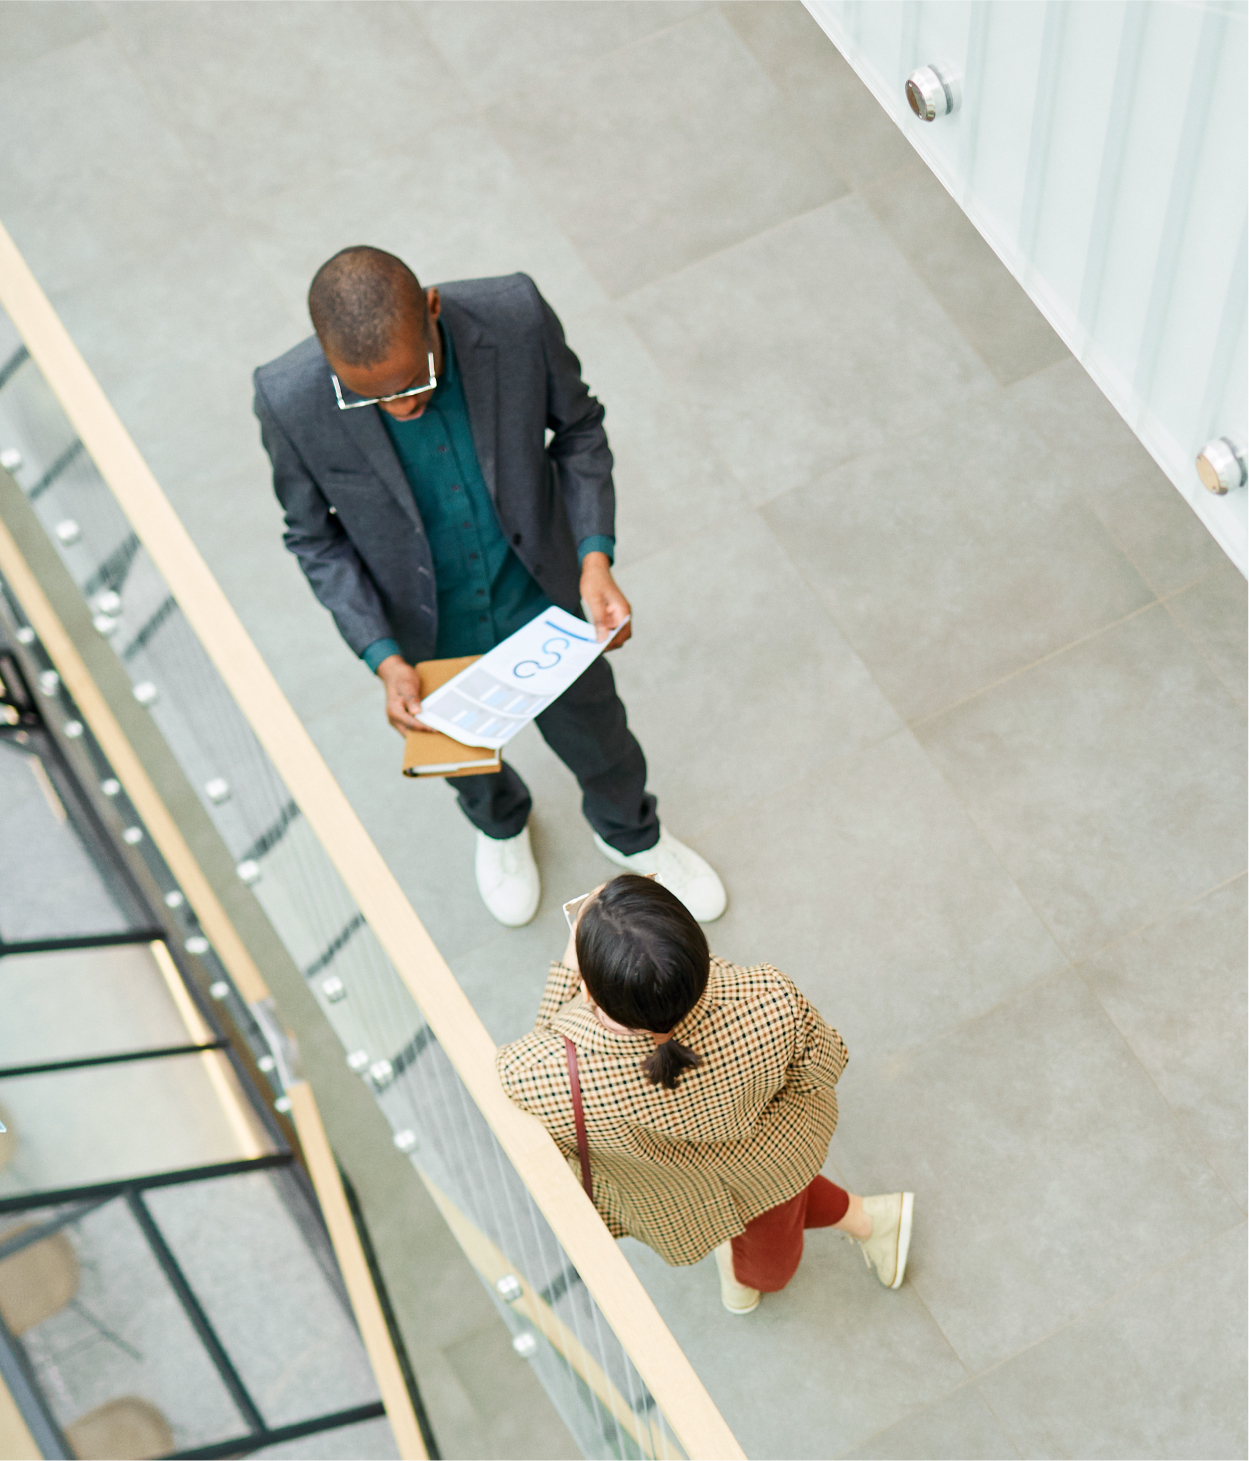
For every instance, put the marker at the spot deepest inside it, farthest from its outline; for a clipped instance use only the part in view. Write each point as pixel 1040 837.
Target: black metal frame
pixel 26 724
pixel 17 1372
pixel 82 1062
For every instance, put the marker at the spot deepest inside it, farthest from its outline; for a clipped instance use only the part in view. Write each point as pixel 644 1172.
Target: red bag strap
pixel 578 1116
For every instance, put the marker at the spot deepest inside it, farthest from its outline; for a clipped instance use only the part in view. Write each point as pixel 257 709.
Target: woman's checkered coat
pixel 747 1129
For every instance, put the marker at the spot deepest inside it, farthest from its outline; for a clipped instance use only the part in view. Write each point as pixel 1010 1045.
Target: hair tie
pixel 660 1039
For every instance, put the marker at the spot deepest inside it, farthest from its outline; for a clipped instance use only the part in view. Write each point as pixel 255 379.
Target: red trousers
pixel 767 1254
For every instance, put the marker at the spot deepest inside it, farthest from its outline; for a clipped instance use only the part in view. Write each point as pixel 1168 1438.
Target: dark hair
pixel 645 961
pixel 359 299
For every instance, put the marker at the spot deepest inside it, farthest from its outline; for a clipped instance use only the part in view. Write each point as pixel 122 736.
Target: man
pixel 445 477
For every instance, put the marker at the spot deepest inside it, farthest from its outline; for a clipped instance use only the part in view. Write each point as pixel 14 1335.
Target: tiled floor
pixel 930 658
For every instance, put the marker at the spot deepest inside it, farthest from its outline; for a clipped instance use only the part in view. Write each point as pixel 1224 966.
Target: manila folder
pixel 430 753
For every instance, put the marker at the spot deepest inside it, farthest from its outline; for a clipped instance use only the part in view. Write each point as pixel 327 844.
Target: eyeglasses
pixel 378 400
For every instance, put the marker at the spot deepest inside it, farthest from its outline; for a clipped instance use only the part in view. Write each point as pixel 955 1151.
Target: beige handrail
pixel 16 1441
pixel 323 1170
pixel 625 1304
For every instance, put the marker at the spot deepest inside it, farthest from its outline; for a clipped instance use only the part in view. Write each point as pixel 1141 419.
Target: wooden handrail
pixel 625 1304
pixel 354 1267
pixel 16 1441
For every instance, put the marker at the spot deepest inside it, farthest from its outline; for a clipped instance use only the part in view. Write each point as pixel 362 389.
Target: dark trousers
pixel 588 730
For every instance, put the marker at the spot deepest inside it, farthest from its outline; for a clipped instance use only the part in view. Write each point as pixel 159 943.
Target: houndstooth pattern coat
pixel 744 1131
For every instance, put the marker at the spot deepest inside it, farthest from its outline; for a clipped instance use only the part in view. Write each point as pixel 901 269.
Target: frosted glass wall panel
pixel 1101 150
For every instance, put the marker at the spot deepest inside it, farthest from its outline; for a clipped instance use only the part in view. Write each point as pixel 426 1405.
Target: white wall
pixel 1100 148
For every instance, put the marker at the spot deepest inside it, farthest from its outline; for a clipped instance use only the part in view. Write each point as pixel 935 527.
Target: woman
pixel 707 1092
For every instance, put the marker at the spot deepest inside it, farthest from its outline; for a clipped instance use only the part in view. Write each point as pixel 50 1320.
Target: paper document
pixel 486 704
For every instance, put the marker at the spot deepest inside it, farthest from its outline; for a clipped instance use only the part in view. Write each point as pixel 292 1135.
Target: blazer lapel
pixel 366 430
pixel 478 362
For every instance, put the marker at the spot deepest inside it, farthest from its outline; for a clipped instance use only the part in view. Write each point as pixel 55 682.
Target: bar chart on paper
pixel 487 703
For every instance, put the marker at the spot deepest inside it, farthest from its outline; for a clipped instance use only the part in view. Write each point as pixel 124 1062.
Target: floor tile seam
pixel 924 720
pixel 1197 643
pixel 1187 1137
pixel 847 636
pixel 941 309
pixel 674 275
pixel 896 446
pixel 967 1384
pixel 1110 1299
pixel 1154 921
pixel 908 1053
pixel 973 821
pixel 788 786
pixel 564 70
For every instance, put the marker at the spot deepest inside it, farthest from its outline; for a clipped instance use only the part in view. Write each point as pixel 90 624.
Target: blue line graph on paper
pixel 499 694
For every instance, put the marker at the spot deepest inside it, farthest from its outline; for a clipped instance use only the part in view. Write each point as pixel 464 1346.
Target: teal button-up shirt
pixel 484 591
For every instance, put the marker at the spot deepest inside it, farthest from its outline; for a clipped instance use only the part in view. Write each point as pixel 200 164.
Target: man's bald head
pixel 360 300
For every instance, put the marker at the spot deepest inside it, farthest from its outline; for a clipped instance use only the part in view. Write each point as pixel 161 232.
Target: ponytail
pixel 666 1062
pixel 645 963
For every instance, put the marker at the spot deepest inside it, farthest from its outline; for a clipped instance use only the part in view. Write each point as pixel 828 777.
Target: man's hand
pixel 607 605
pixel 403 694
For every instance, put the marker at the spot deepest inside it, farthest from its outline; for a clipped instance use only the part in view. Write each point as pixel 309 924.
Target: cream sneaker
pixel 679 869
pixel 735 1297
pixel 507 878
pixel 887 1248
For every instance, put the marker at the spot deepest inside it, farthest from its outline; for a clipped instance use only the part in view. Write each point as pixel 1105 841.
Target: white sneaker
pixel 679 869
pixel 507 877
pixel 736 1297
pixel 887 1248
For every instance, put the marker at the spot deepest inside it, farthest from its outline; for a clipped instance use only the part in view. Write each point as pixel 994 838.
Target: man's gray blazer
pixel 351 519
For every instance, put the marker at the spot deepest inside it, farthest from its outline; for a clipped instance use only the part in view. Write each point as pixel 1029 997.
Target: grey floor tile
pixel 843 1357
pixel 31 28
pixel 670 484
pixel 1158 1372
pixel 1215 615
pixel 663 152
pixel 976 558
pixel 1105 779
pixel 978 292
pixel 838 114
pixel 174 340
pixel 735 676
pixel 91 178
pixel 961 1427
pixel 1048 1172
pixel 461 210
pixel 496 48
pixel 266 95
pixel 887 908
pixel 1122 482
pixel 784 402
pixel 1193 1047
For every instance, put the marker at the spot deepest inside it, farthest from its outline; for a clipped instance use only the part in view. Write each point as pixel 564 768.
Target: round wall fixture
pixel 1221 465
pixel 932 92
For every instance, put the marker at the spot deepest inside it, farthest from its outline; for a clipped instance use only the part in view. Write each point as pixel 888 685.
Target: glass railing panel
pixel 51 885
